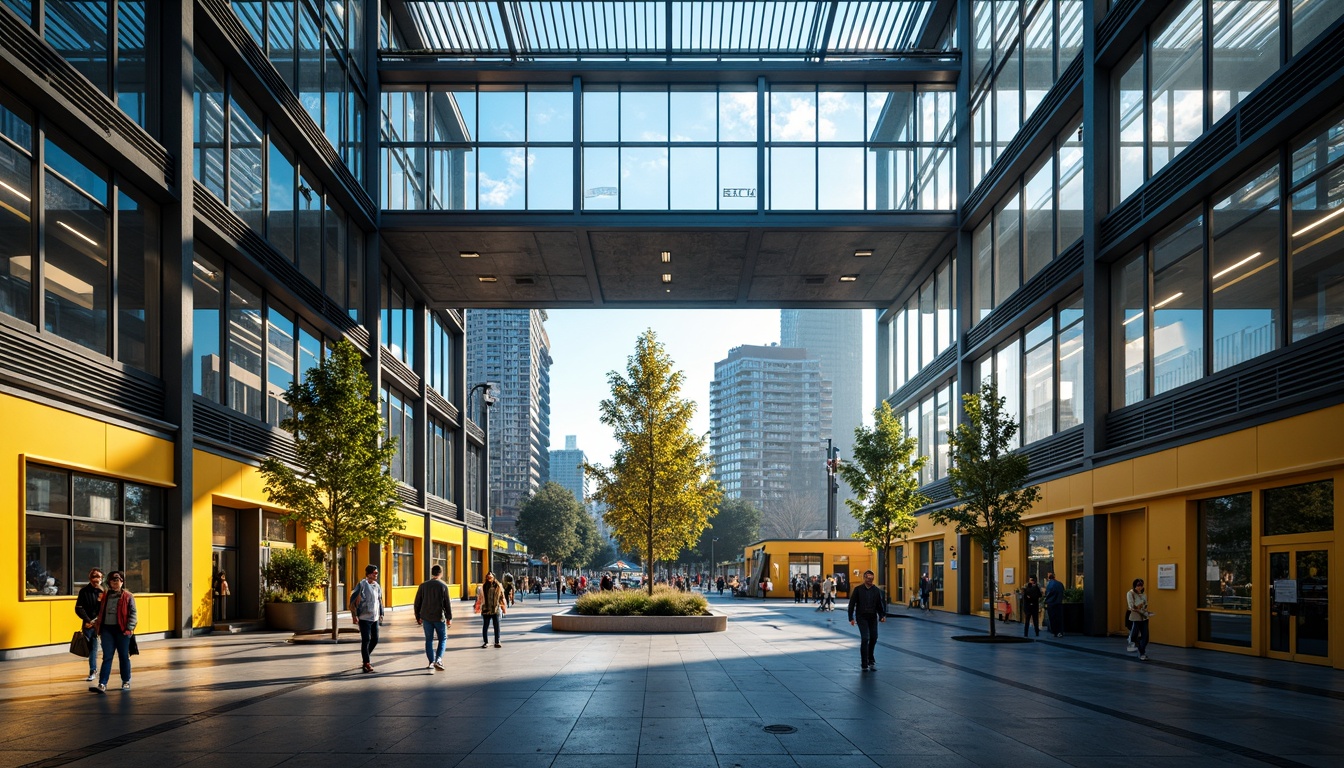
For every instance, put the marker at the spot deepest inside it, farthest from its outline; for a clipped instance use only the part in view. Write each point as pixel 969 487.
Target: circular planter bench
pixel 568 621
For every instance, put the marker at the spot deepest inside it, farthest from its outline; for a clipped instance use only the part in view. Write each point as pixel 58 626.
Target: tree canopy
pixel 551 522
pixel 736 523
pixel 884 475
pixel 658 490
pixel 987 479
pixel 342 492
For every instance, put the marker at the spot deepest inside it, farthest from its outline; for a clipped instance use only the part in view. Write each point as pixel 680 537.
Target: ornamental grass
pixel 665 601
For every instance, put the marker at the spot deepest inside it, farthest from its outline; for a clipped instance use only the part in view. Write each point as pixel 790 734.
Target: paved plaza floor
pixel 679 701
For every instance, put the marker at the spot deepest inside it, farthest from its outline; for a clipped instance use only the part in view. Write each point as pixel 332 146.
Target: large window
pixel 1040 551
pixel 1038 219
pixel 928 420
pixel 439 462
pixel 1176 82
pixel 399 418
pixel 926 325
pixel 442 359
pixel 682 148
pixel 110 42
pixel 1305 508
pixel 1039 372
pixel 403 562
pixel 75 522
pixel 1224 584
pixel 398 321
pixel 445 556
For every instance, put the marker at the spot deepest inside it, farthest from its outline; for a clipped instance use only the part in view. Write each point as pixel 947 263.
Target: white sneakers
pixel 126 686
pixel 1131 648
pixel 92 676
pixel 437 665
pixel 430 667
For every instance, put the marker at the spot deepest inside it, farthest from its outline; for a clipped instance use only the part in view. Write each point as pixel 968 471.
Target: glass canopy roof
pixel 667 30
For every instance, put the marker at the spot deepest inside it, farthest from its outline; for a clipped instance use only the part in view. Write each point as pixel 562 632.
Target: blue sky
pixel 586 344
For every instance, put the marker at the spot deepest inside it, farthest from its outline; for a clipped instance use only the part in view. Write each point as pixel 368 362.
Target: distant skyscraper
pixel 510 348
pixel 769 414
pixel 567 470
pixel 835 337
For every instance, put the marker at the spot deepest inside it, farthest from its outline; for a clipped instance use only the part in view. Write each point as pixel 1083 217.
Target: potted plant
pixel 1073 610
pixel 293 591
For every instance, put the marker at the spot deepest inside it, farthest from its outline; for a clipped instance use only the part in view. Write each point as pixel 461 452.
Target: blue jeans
pixel 1138 635
pixel 435 629
pixel 1055 614
pixel 92 635
pixel 368 638
pixel 867 637
pixel 119 643
pixel 485 627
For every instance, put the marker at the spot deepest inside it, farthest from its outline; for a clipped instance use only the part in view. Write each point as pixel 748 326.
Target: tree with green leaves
pixel 884 475
pixel 736 523
pixel 341 492
pixel 987 478
pixel 551 524
pixel 658 490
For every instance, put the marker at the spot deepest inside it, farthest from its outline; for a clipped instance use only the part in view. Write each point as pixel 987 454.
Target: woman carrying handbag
pixel 116 630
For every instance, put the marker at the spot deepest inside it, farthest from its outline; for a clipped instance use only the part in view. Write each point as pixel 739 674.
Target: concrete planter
pixel 297 617
pixel 568 621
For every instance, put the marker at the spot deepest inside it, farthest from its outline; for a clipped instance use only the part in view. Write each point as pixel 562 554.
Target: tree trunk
pixel 989 590
pixel 335 601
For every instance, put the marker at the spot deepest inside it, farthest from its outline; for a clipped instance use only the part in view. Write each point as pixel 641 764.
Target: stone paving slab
pixel 677 701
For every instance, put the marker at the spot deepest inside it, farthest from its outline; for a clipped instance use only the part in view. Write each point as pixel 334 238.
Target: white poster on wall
pixel 1166 576
pixel 1007 575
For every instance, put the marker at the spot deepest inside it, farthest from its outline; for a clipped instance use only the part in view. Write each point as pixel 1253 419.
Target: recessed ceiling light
pixel 666 256
pixel 863 253
pixel 468 255
pixel 487 278
pixel 848 278
pixel 667 277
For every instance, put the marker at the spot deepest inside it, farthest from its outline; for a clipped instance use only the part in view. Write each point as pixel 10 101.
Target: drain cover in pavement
pixel 780 729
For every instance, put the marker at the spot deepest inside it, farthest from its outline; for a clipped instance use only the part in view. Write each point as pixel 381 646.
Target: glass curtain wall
pixel 113 43
pixel 684 148
pixel 928 420
pixel 242 162
pixel 926 325
pixel 1214 289
pixel 1018 51
pixel 93 227
pixel 1038 219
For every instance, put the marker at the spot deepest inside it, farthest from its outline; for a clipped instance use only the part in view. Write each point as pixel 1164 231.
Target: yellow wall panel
pixel 1303 440
pixel 137 455
pixel 1113 481
pixel 1218 459
pixel 1169 526
pixel 1156 473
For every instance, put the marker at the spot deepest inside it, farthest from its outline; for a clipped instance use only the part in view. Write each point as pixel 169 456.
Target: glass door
pixel 1299 603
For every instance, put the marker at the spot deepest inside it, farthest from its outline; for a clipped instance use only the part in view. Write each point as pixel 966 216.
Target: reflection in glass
pixel 644 178
pixel 1178 305
pixel 840 178
pixel 280 363
pixel 1223 594
pixel 737 179
pixel 793 178
pixel 694 115
pixel 77 273
pixel 550 178
pixel 280 201
pixel 1039 384
pixel 1245 50
pixel 737 115
pixel 602 179
pixel 1244 263
pixel 1176 108
pixel 452 179
pixel 16 232
pixel 502 114
pixel 144 560
pixel 1007 248
pixel 452 115
pixel 95 498
pixel 644 115
pixel 502 176
pixel 1038 218
pixel 1070 396
pixel 1069 198
pixel 793 114
pixel 840 115
pixel 245 347
pixel 982 286
pixel 1310 19
pixel 1008 375
pixel 601 115
pixel 1305 508
pixel 1129 116
pixel 1130 317
pixel 550 115
pixel 692 171
pixel 97 545
pixel 207 299
pixel 46 560
pixel 137 283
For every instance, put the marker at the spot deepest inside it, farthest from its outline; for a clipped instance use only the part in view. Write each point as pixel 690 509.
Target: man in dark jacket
pixel 1054 604
pixel 434 612
pixel 86 608
pixel 1031 606
pixel 869 605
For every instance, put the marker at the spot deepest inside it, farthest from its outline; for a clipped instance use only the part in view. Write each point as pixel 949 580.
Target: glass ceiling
pixel 667 30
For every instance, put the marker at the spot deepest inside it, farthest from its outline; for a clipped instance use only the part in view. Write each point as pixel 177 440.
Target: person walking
pixel 116 630
pixel 490 605
pixel 1054 605
pixel 828 594
pixel 508 589
pixel 366 607
pixel 1137 601
pixel 86 608
pixel 925 589
pixel 434 612
pixel 1031 606
pixel 719 583
pixel 868 604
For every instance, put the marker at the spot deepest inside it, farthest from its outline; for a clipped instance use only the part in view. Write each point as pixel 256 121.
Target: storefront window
pixel 1075 575
pixel 1306 508
pixel 477 574
pixel 403 562
pixel 1041 551
pixel 1224 598
pixel 75 522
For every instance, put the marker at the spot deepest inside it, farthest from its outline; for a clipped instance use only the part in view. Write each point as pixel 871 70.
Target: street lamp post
pixel 832 461
pixel 713 564
pixel 487 400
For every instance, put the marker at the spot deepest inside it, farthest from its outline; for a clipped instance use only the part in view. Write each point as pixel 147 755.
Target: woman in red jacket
pixel 116 629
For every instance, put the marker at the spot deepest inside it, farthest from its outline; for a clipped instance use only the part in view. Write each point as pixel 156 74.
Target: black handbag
pixel 79 644
pixel 134 647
